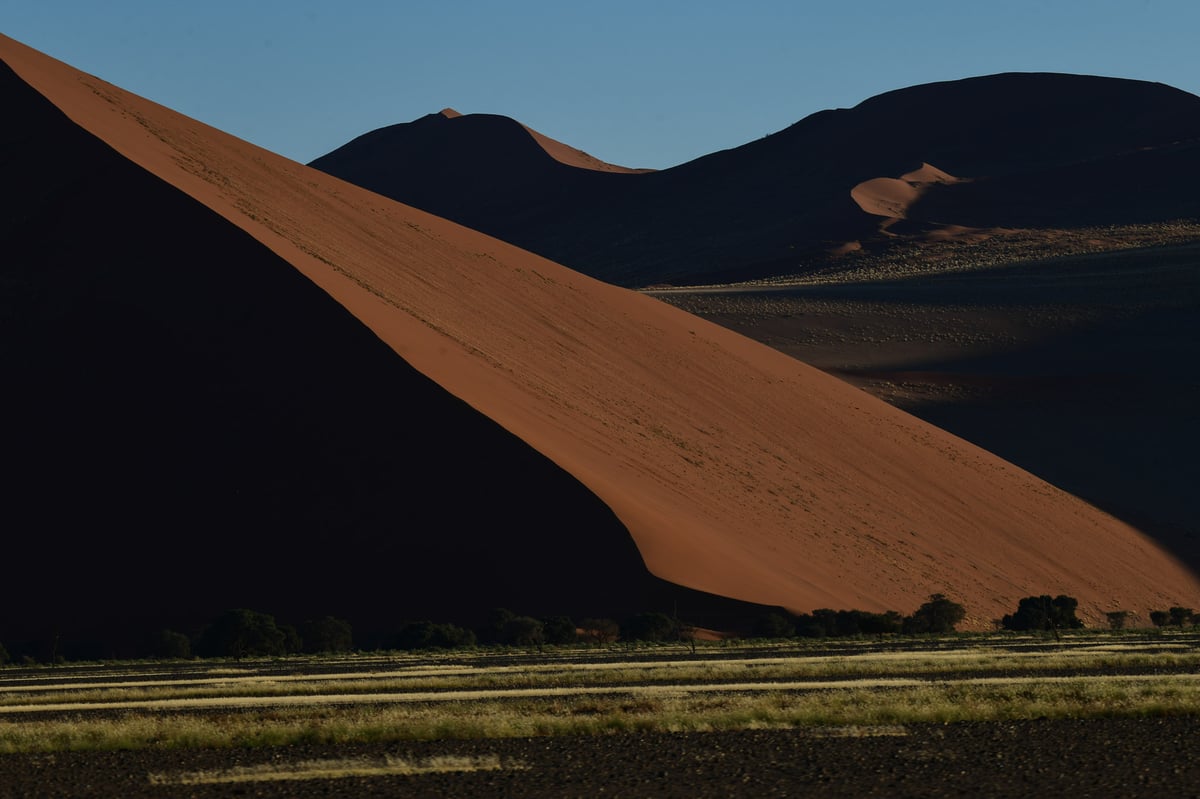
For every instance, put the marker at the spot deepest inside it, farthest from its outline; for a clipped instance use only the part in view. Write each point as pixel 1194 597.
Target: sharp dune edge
pixel 737 470
pixel 892 197
pixel 563 153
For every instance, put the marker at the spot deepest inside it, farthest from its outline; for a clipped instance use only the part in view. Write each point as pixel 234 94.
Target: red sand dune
pixel 892 197
pixel 737 470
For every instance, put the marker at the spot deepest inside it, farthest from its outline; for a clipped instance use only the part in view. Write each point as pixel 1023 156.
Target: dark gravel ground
pixel 1078 759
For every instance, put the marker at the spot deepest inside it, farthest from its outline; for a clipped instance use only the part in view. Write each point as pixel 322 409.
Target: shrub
pixel 428 635
pixel 242 633
pixel 1181 616
pixel 773 625
pixel 813 625
pixel 292 642
pixel 524 631
pixel 172 645
pixel 938 615
pixel 559 630
pixel 3 655
pixel 327 634
pixel 1117 619
pixel 1044 613
pixel 600 631
pixel 649 627
pixel 880 623
pixel 1160 618
pixel 493 628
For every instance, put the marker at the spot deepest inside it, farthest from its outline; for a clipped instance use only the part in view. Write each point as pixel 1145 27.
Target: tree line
pixel 248 633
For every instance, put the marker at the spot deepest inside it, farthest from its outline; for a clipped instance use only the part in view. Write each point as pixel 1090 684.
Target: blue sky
pixel 647 84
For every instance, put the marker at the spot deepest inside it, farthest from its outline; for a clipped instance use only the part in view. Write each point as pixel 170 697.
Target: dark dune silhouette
pixel 243 381
pixel 1037 149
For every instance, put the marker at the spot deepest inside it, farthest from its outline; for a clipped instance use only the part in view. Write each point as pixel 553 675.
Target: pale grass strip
pixel 927 658
pixel 438 671
pixel 455 696
pixel 338 769
pixel 937 702
pixel 545 693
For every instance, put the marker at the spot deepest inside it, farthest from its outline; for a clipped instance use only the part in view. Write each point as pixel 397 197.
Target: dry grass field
pixel 421 717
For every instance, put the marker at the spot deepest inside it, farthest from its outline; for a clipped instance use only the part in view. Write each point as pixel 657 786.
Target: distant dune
pixel 200 326
pixel 1031 150
pixel 893 197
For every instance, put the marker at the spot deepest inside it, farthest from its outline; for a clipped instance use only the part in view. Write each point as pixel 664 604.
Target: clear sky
pixel 652 83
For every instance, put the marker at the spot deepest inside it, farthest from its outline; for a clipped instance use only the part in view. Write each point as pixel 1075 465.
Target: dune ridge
pixel 891 198
pixel 737 470
pixel 1043 150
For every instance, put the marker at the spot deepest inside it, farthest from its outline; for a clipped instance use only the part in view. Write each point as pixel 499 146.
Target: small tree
pixel 939 615
pixel 292 642
pixel 524 631
pixel 1181 616
pixel 242 633
pixel 4 658
pixel 559 630
pixel 881 623
pixel 825 619
pixel 809 626
pixel 600 631
pixel 1117 619
pixel 428 635
pixel 774 625
pixel 1160 618
pixel 648 627
pixel 327 634
pixel 1044 613
pixel 493 629
pixel 172 645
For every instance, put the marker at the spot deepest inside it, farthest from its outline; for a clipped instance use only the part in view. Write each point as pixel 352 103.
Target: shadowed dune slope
pixel 193 425
pixel 736 469
pixel 1038 149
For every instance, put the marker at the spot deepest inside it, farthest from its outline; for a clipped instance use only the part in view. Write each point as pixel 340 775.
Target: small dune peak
pixel 449 113
pixel 928 173
pixel 892 197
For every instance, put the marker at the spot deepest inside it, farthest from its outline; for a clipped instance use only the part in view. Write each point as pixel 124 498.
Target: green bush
pixel 3 655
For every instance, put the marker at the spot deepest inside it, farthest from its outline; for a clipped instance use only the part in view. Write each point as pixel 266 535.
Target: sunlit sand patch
pixel 339 769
